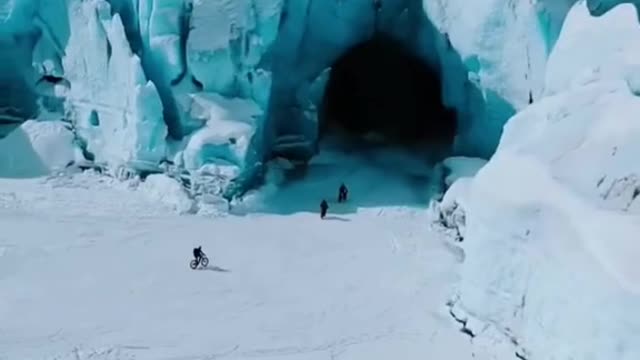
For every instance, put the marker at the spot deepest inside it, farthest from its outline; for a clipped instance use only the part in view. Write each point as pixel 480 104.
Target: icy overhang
pixel 491 55
pixel 306 46
pixel 491 58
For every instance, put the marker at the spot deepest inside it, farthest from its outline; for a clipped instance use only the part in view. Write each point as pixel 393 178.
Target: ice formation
pixel 166 190
pixel 276 55
pixel 37 149
pixel 214 87
pixel 549 226
pixel 115 108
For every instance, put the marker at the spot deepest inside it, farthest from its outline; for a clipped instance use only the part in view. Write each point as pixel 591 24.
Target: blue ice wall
pixel 18 37
pixel 30 33
pixel 128 11
pixel 278 52
pixel 600 7
pixel 306 47
pixel 17 98
pixel 551 15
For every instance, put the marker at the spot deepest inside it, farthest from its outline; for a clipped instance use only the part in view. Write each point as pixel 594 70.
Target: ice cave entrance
pixel 382 128
pixel 379 91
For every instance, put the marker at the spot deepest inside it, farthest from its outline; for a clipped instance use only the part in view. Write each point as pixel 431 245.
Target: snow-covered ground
pixel 378 177
pixel 93 268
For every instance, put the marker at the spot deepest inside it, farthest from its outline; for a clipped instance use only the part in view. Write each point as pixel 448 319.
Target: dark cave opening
pixel 380 90
pixel 382 129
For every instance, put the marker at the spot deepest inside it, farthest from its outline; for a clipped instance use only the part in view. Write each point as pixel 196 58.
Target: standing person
pixel 342 193
pixel 324 206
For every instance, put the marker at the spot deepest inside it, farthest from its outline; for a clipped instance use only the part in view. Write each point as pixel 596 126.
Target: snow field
pixel 102 273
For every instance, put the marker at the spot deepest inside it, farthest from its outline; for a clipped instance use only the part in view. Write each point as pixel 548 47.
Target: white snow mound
pixel 551 223
pixel 167 191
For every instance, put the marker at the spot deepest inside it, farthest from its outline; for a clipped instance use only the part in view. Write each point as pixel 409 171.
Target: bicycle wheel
pixel 193 264
pixel 204 261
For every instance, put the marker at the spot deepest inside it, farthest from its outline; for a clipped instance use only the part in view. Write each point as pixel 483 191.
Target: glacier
pixel 542 187
pixel 112 103
pixel 274 54
pixel 548 226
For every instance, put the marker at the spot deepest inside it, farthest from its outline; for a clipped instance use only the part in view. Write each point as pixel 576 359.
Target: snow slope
pixel 550 224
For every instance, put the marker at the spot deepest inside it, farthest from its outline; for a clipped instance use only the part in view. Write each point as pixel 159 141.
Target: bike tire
pixel 204 261
pixel 193 264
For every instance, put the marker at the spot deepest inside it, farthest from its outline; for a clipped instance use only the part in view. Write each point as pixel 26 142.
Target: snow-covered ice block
pixel 587 138
pixel 167 191
pixel 52 141
pixel 213 206
pixel 539 257
pixel 117 110
pixel 591 48
pixel 551 222
pixel 492 57
pixel 227 138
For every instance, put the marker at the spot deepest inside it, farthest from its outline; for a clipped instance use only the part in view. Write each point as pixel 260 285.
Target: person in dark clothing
pixel 197 253
pixel 342 193
pixel 324 206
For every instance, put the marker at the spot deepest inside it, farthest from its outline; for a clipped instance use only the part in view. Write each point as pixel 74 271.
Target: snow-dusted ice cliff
pixel 105 58
pixel 214 87
pixel 550 225
pixel 128 72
